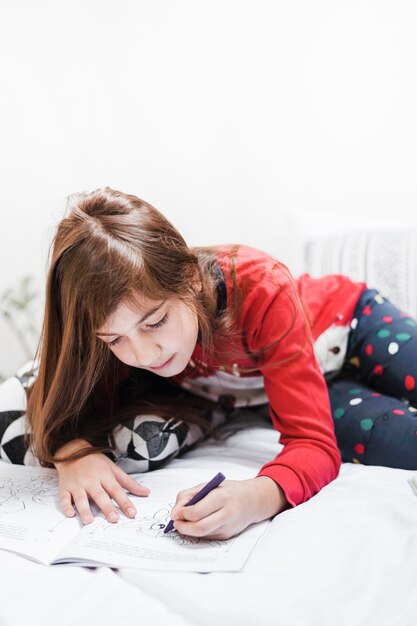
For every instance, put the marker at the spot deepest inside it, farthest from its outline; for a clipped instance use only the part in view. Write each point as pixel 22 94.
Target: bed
pixel 347 556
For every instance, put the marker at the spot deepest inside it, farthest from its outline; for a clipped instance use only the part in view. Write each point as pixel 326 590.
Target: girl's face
pixel 159 336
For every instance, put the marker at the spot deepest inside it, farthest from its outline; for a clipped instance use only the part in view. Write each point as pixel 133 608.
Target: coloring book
pixel 33 525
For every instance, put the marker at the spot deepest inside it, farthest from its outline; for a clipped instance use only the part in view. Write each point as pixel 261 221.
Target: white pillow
pixel 316 224
pixel 385 259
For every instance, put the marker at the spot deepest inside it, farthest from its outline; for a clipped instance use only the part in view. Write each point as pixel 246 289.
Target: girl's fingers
pixel 99 479
pixel 207 506
pixel 130 483
pixel 102 496
pixel 185 496
pixel 83 507
pixel 119 495
pixel 102 499
pixel 65 501
pixel 208 526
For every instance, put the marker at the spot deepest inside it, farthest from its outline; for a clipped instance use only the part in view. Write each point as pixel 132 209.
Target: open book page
pixel 31 520
pixel 33 525
pixel 141 542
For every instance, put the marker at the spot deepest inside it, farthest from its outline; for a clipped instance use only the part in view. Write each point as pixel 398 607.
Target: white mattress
pixel 346 557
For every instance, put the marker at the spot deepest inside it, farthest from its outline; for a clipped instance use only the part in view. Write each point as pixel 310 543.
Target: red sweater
pixel 297 393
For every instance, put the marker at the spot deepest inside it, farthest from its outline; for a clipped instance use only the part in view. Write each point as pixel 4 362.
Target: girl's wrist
pixel 271 499
pixel 70 447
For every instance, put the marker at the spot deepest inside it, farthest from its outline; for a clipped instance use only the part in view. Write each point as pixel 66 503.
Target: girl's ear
pixel 198 286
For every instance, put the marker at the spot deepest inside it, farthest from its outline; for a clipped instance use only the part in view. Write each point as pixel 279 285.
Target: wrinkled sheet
pixel 347 556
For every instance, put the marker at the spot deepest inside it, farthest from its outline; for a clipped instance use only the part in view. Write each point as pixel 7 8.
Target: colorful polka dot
pixel 354 323
pixel 412 409
pixel 367 310
pixel 338 413
pixel 410 322
pixel 398 412
pixel 387 319
pixel 355 361
pixel 383 333
pixel 402 336
pixel 369 349
pixel 357 460
pixel 378 370
pixel 355 401
pixel 355 391
pixel 367 424
pixel 393 347
pixel 359 448
pixel 375 394
pixel 409 382
pixel 378 298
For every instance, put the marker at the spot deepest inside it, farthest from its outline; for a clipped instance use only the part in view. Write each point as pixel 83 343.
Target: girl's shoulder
pixel 254 283
pixel 245 265
pixel 261 295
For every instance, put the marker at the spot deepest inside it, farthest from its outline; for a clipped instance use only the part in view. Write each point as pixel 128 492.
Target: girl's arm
pixel 300 409
pixel 297 392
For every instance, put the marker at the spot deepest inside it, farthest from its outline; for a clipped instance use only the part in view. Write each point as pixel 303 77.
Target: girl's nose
pixel 146 354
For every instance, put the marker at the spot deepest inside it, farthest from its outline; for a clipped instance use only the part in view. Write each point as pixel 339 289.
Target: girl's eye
pixel 160 323
pixel 157 325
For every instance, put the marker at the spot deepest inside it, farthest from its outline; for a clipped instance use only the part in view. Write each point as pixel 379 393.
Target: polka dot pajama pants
pixel 374 397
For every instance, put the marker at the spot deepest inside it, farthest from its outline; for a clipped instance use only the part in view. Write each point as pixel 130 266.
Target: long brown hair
pixel 109 246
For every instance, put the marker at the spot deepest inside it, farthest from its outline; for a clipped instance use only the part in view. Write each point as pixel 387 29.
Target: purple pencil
pixel 215 482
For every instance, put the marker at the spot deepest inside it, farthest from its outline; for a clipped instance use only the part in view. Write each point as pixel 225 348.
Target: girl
pixel 147 345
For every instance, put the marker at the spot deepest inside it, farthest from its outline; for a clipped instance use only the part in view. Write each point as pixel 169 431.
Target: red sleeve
pixel 298 398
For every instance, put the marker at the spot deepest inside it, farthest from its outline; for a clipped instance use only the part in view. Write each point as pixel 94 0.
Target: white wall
pixel 228 115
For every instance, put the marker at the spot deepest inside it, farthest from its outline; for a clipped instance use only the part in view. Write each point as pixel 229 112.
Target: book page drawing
pixel 13 492
pixel 142 540
pixel 29 504
pixel 153 526
pixel 32 524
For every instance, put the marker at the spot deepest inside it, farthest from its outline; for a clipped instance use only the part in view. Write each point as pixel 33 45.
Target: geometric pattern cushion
pixel 13 421
pixel 146 442
pixel 143 442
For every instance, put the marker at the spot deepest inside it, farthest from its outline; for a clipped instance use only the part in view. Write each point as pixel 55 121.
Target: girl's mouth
pixel 163 365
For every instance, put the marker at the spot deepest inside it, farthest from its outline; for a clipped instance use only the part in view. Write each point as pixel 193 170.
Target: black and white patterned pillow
pixel 143 442
pixel 385 259
pixel 13 420
pixel 146 442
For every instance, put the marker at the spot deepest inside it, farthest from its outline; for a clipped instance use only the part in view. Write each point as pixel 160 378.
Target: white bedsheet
pixel 348 556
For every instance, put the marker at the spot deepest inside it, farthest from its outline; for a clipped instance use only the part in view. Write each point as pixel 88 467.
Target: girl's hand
pixel 100 478
pixel 228 509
